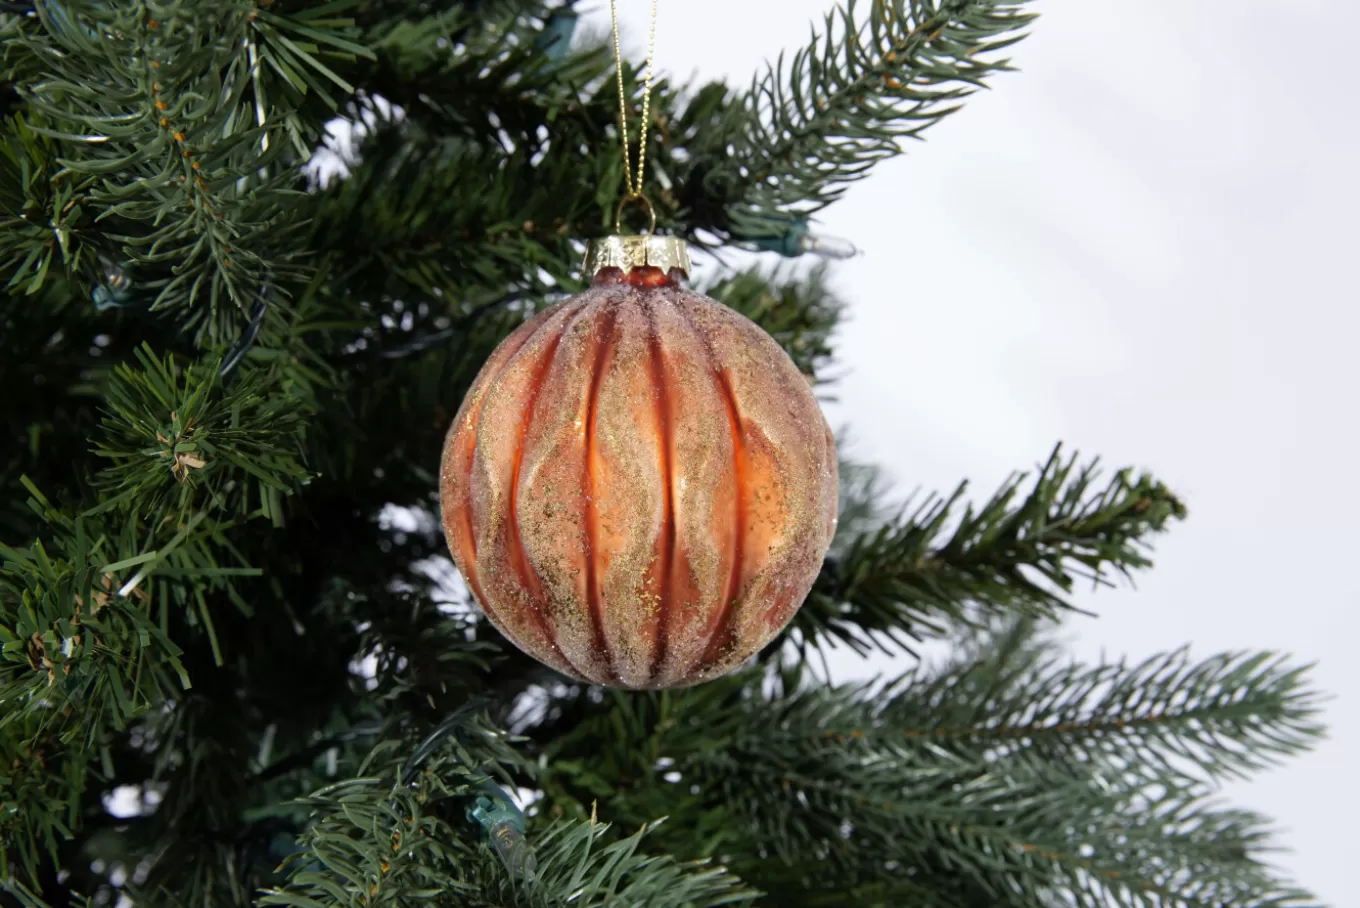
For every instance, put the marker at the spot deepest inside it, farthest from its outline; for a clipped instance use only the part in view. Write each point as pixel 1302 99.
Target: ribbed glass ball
pixel 640 487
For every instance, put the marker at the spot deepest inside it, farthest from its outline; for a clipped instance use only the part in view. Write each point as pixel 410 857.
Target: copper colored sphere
pixel 639 487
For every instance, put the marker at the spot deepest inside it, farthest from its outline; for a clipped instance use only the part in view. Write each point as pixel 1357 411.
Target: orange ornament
pixel 639 488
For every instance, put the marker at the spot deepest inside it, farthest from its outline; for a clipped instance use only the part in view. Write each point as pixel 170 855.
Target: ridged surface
pixel 639 487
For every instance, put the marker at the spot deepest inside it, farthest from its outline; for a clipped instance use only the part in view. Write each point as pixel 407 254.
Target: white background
pixel 1140 245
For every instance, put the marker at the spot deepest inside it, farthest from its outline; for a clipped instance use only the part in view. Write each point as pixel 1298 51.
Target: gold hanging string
pixel 634 186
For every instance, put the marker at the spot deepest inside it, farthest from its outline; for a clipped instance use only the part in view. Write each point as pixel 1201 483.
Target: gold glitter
pixel 639 487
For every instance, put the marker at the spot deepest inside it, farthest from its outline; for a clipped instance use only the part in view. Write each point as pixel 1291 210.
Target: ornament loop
pixel 645 202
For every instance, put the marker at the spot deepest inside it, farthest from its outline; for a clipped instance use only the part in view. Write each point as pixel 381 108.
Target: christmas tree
pixel 239 667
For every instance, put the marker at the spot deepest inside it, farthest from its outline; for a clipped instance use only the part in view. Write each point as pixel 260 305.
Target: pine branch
pixel 209 843
pixel 914 578
pixel 846 792
pixel 465 93
pixel 176 132
pixel 73 615
pixel 86 648
pixel 1225 716
pixel 448 220
pixel 101 590
pixel 177 438
pixel 85 614
pixel 372 843
pixel 577 868
pixel 849 97
pixel 41 218
pixel 478 71
pixel 41 784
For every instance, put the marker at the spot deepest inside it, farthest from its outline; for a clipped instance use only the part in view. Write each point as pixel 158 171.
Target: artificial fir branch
pixel 291 85
pixel 808 787
pixel 425 848
pixel 42 783
pixel 174 434
pixel 479 76
pixel 1221 715
pixel 863 84
pixel 177 141
pixel 39 202
pixel 438 231
pixel 921 574
pixel 73 616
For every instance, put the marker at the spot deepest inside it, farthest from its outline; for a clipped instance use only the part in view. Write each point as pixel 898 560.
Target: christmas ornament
pixel 639 487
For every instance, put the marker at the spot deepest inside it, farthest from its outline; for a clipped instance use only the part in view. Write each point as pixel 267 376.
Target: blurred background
pixel 1143 245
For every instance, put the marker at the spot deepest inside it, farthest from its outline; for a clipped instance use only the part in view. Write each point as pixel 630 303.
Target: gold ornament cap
pixel 628 252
